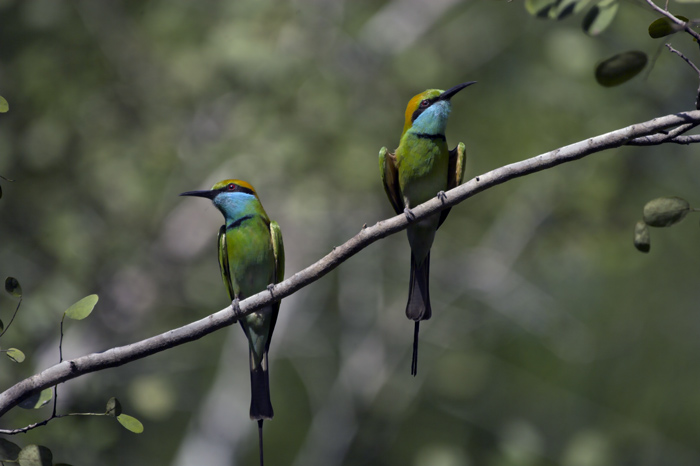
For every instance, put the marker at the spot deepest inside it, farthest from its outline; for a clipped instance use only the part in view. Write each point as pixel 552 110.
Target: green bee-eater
pixel 421 168
pixel 251 257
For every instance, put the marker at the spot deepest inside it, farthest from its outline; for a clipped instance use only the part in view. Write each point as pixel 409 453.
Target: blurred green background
pixel 553 341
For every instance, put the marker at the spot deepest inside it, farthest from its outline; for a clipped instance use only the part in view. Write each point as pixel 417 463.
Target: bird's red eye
pixel 424 103
pixel 231 187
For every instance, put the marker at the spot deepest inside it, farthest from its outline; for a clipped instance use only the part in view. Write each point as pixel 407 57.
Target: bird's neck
pixel 431 122
pixel 238 208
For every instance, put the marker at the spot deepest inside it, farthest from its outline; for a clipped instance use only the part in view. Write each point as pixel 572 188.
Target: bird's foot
pixel 442 196
pixel 409 214
pixel 271 287
pixel 236 308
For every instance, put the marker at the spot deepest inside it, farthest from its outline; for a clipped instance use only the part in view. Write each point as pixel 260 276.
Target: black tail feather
pixel 414 360
pixel 260 441
pixel 418 306
pixel 260 404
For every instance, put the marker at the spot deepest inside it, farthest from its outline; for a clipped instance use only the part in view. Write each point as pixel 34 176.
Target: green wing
pixel 455 172
pixel 223 262
pixel 278 250
pixel 390 179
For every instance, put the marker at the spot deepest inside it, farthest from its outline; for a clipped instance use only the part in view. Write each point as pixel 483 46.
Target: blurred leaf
pixel 12 286
pixel 620 68
pixel 8 450
pixel 15 354
pixel 114 407
pixel 130 423
pixel 642 240
pixel 4 106
pixel 664 27
pixel 599 17
pixel 37 400
pixel 540 8
pixel 35 455
pixel 665 211
pixel 565 8
pixel 82 308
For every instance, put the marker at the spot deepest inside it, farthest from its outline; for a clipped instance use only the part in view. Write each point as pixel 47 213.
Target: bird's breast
pixel 422 165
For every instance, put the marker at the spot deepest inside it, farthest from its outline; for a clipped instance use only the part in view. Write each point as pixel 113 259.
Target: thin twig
pixel 25 429
pixel 685 25
pixel 118 356
pixel 12 319
pixel 687 60
pixel 663 136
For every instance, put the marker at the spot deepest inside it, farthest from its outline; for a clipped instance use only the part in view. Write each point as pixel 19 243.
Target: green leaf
pixel 540 8
pixel 565 8
pixel 130 423
pixel 82 308
pixel 12 286
pixel 663 27
pixel 642 240
pixel 665 211
pixel 37 399
pixel 15 354
pixel 35 455
pixel 599 17
pixel 8 450
pixel 114 407
pixel 620 68
pixel 4 106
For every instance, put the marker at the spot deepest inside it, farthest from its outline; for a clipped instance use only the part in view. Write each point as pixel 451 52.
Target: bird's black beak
pixel 448 94
pixel 207 194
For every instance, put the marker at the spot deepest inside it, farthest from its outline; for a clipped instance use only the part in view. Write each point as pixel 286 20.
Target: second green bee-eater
pixel 251 258
pixel 421 168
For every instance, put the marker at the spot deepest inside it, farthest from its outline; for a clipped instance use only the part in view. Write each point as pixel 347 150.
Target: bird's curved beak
pixel 208 194
pixel 448 94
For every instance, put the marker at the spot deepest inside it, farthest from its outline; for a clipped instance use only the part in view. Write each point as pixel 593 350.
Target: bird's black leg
pixel 270 287
pixel 236 308
pixel 442 196
pixel 409 214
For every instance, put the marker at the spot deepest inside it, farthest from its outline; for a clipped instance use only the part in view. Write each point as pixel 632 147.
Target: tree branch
pixel 118 356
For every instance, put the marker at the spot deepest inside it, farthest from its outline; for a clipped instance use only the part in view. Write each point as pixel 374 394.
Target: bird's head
pixel 428 111
pixel 233 198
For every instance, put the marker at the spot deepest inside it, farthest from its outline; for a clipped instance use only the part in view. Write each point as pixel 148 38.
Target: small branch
pixel 25 429
pixel 664 136
pixel 686 26
pixel 687 60
pixel 12 319
pixel 118 356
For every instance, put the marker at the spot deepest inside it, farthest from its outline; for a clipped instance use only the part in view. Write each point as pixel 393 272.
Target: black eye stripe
pixel 421 109
pixel 236 189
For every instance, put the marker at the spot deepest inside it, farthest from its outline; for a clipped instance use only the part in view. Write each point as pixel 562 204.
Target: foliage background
pixel 553 341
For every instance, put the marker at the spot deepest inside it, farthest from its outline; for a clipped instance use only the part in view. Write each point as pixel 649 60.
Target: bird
pixel 251 259
pixel 421 168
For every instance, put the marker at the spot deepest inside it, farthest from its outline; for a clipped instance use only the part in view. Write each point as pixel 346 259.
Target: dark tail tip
pixel 418 305
pixel 260 442
pixel 414 360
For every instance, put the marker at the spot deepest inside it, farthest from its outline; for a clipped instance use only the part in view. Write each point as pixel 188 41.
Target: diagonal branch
pixel 118 356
